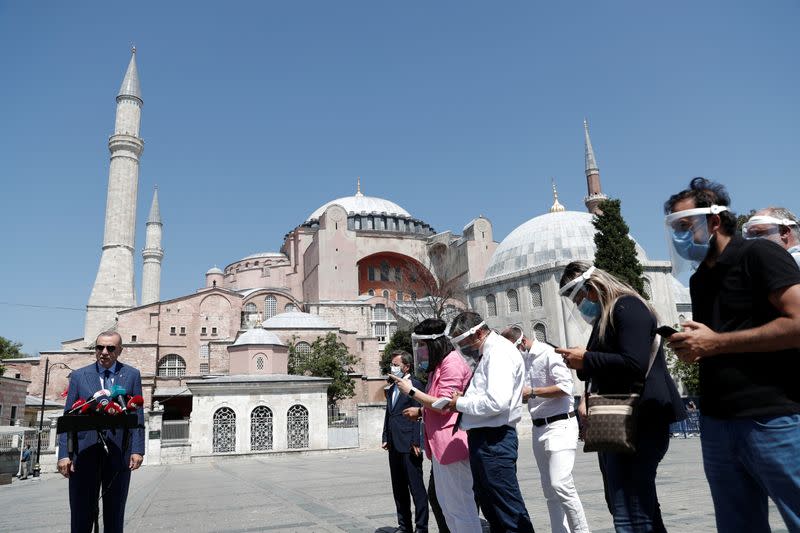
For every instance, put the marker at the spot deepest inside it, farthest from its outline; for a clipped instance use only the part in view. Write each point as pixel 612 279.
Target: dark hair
pixel 463 322
pixel 706 193
pixel 406 357
pixel 439 347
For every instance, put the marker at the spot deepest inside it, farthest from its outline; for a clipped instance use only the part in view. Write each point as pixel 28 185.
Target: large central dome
pixel 552 239
pixel 359 203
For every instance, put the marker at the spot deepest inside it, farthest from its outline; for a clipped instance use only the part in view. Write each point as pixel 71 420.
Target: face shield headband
pixel 750 231
pixel 688 237
pixel 518 328
pixel 471 354
pixel 570 290
pixel 420 351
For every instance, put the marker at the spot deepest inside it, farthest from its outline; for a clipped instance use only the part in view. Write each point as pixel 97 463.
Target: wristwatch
pixel 411 393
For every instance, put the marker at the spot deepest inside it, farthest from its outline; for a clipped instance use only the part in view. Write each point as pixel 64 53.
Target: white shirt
pixel 494 396
pixel 544 368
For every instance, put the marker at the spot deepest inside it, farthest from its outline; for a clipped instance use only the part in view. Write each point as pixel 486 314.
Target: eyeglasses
pixel 109 349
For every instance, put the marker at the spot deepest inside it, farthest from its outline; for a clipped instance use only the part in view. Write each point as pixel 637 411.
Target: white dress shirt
pixel 494 396
pixel 544 368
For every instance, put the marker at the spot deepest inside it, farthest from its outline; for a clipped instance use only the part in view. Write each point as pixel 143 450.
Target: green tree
pixel 329 358
pixel 9 350
pixel 400 340
pixel 616 251
pixel 741 219
pixel 687 373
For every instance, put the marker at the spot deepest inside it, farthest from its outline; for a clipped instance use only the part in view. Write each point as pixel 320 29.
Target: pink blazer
pixel 451 374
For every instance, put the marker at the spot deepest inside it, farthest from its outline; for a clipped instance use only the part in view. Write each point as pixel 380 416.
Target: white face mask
pixel 396 371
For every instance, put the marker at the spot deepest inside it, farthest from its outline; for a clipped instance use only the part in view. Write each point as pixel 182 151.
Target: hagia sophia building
pixel 358 266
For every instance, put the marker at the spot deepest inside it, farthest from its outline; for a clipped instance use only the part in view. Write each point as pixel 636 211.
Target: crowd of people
pixel 744 335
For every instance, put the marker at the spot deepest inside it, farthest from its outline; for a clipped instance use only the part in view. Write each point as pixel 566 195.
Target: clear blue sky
pixel 257 113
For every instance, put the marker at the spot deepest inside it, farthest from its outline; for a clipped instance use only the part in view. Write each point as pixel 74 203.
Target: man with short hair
pixel 549 392
pixel 491 407
pixel 94 467
pixel 777 224
pixel 25 462
pixel 401 438
pixel 746 338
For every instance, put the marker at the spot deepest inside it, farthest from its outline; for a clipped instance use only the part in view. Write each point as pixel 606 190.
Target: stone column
pixel 152 427
pixel 370 425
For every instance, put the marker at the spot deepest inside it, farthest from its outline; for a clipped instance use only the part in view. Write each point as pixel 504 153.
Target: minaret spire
pixel 556 207
pixel 595 193
pixel 358 186
pixel 152 255
pixel 113 288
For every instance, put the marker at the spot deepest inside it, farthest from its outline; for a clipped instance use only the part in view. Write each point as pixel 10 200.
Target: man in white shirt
pixel 491 407
pixel 548 390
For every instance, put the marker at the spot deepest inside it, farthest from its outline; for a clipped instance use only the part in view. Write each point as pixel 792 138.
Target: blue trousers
pixel 493 460
pixel 93 468
pixel 629 481
pixel 747 460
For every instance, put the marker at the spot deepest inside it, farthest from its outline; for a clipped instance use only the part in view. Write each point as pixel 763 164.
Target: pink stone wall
pixel 12 394
pixel 243 359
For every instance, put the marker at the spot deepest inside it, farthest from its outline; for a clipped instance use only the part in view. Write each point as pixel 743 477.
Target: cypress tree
pixel 616 251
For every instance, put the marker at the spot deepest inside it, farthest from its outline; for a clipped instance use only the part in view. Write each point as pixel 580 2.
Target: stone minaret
pixel 152 255
pixel 595 194
pixel 113 288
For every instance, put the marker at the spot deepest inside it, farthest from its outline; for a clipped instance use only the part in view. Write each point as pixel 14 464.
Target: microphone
pixel 135 402
pixel 80 402
pixel 112 408
pixel 101 405
pixel 118 393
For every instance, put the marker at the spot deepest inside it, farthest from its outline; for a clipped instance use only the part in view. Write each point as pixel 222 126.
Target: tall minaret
pixel 152 255
pixel 113 288
pixel 595 195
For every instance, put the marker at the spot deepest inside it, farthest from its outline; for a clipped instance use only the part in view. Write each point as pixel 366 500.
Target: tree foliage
pixel 687 373
pixel 10 349
pixel 741 219
pixel 329 358
pixel 400 340
pixel 616 251
pixel 437 288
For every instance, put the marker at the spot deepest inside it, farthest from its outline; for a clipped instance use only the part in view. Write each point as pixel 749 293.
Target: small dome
pixel 296 320
pixel 258 336
pixel 214 270
pixel 556 238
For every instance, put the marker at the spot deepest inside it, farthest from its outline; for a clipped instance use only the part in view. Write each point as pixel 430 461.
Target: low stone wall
pixel 370 425
pixel 176 454
pixel 9 462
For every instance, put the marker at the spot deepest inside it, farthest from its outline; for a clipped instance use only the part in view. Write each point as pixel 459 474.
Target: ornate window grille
pixel 289 308
pixel 513 301
pixel 540 332
pixel 261 428
pixel 536 295
pixel 260 363
pixel 270 307
pixel 172 366
pixel 224 439
pixel 302 351
pixel 648 289
pixel 491 305
pixel 297 427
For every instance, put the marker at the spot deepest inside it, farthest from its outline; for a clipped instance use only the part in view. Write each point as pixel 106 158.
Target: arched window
pixel 289 308
pixel 260 362
pixel 540 332
pixel 297 427
pixel 302 351
pixel 536 295
pixel 385 294
pixel 224 439
pixel 172 366
pixel 270 307
pixel 648 289
pixel 491 305
pixel 513 301
pixel 371 292
pixel 261 428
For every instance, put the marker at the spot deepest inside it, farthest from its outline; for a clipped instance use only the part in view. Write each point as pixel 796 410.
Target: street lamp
pixel 47 369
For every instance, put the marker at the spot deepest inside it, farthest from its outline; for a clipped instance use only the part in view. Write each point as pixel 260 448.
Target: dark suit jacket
pixel 400 432
pixel 83 383
pixel 618 363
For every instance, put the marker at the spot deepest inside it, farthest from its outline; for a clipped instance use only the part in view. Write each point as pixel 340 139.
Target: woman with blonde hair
pixel 616 361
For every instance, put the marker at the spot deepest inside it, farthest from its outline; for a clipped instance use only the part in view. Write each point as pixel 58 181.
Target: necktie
pixel 107 379
pixel 395 393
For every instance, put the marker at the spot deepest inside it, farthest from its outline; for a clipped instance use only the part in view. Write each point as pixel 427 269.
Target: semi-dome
pixel 258 336
pixel 296 320
pixel 555 238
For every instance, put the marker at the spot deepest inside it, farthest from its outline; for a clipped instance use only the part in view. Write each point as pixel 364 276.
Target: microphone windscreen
pixel 135 402
pixel 112 409
pixel 101 392
pixel 85 408
pixel 101 404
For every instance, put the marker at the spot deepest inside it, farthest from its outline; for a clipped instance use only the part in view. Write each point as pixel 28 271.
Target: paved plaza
pixel 337 491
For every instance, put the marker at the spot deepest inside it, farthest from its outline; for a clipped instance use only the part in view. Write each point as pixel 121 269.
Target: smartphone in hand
pixel 666 331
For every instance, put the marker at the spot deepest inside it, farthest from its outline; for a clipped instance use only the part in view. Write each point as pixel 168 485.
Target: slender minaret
pixel 595 195
pixel 152 255
pixel 113 288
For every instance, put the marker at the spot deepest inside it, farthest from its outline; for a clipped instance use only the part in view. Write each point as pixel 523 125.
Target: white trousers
pixel 454 492
pixel 554 449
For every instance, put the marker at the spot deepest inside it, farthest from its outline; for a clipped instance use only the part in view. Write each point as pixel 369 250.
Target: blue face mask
pixel 423 366
pixel 589 310
pixel 687 248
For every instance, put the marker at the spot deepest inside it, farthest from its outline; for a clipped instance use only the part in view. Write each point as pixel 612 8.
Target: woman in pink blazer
pixel 446 448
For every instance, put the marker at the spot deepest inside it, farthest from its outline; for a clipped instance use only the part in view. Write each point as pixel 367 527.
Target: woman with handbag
pixel 623 365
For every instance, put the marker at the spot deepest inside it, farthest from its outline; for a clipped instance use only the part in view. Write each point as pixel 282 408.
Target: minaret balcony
pixel 122 141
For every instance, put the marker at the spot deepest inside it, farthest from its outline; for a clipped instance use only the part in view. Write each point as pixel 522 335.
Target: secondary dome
pixel 258 336
pixel 296 320
pixel 556 238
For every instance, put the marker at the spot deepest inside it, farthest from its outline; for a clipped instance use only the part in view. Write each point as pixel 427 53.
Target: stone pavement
pixel 327 492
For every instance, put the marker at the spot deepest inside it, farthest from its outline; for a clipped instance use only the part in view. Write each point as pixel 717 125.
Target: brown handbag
pixel 611 418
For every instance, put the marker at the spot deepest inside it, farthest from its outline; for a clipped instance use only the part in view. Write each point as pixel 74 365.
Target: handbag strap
pixel 653 352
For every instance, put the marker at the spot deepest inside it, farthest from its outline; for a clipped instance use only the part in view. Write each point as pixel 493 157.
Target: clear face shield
pixel 688 238
pixel 766 227
pixel 582 311
pixel 467 345
pixel 419 348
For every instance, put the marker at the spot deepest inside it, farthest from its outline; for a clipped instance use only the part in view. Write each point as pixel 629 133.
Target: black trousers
pixel 406 471
pixel 94 468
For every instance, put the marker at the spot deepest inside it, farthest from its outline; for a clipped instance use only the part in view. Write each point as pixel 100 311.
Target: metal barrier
pixel 342 429
pixel 175 430
pixel 687 428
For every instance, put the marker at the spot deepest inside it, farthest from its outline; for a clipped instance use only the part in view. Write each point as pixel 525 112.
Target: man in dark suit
pixel 401 437
pixel 92 465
